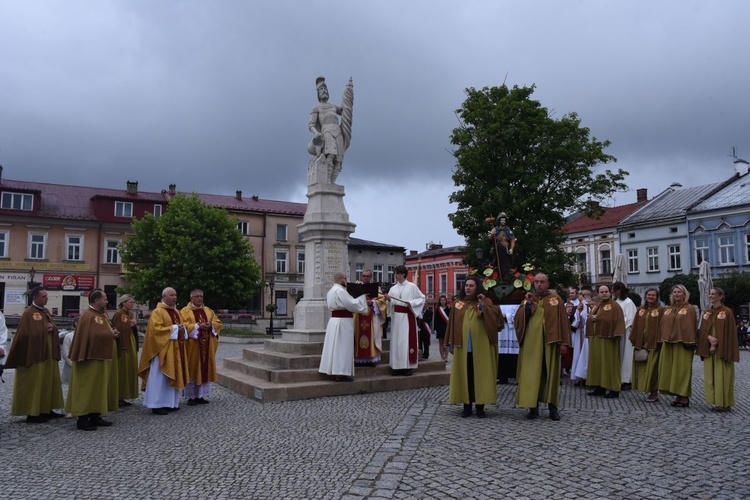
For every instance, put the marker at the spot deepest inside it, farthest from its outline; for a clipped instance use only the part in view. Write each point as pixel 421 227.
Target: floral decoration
pixel 523 278
pixel 489 276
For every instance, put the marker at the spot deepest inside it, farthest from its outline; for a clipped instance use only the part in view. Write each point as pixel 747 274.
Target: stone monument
pixel 326 227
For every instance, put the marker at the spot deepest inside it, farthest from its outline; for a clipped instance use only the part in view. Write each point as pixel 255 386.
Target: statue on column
pixel 331 140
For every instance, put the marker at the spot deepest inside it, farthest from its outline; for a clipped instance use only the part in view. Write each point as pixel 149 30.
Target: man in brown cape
pixel 35 354
pixel 543 329
pixel 93 390
pixel 163 365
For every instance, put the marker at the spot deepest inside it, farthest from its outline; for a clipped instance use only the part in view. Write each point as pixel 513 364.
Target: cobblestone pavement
pixel 408 444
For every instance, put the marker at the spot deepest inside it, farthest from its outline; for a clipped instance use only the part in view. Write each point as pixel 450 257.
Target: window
pixel 111 292
pixel 112 252
pixel 581 262
pixel 443 283
pixel 633 261
pixel 74 246
pixel 358 268
pixel 123 209
pixel 281 232
pixel 300 262
pixel 157 210
pixel 701 251
pixel 282 261
pixel 392 274
pixel 460 280
pixel 605 258
pixel 747 249
pixel 377 273
pixel 37 242
pixel 675 260
pixel 430 284
pixel 726 249
pixel 3 244
pixel 243 227
pixel 653 259
pixel 18 201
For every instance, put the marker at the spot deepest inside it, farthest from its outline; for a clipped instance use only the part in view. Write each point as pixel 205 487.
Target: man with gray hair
pixel 163 365
pixel 203 328
pixel 337 360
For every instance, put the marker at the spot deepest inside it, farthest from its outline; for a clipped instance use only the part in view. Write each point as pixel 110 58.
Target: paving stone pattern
pixel 406 444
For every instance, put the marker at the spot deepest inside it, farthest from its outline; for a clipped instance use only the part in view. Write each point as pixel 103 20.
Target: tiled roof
pixel 60 201
pixel 737 193
pixel 358 243
pixel 672 202
pixel 610 217
pixel 437 252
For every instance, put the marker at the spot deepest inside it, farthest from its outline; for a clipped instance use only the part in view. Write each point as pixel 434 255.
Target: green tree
pixel 736 286
pixel 690 281
pixel 191 246
pixel 513 157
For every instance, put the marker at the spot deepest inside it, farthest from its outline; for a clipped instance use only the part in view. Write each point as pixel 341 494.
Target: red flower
pixel 485 279
pixel 494 275
pixel 529 277
pixel 471 270
pixel 517 275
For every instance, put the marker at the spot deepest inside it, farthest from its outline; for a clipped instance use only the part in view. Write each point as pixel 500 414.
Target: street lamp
pixel 479 252
pixel 271 284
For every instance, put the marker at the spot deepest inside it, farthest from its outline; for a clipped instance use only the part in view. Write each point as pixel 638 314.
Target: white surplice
pixel 626 348
pixel 408 295
pixel 338 347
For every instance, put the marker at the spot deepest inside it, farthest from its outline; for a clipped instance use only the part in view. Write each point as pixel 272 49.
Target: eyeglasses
pixel 367 275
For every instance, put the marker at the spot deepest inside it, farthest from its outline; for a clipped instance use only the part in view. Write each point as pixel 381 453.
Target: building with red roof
pixel 592 236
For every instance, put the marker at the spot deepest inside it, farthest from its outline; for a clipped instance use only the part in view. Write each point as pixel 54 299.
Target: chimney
pixel 740 166
pixel 641 195
pixel 172 189
pixel 1 174
pixel 676 185
pixel 412 252
pixel 132 187
pixel 255 197
pixel 239 194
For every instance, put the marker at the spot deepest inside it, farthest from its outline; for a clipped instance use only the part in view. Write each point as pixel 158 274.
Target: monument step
pixel 303 347
pixel 284 376
pixel 267 391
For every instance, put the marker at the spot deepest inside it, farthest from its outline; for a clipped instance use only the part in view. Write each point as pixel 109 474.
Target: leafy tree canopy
pixel 513 157
pixel 736 286
pixel 192 245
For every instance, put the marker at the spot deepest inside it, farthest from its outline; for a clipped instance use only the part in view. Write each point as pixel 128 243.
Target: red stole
pixel 204 337
pixel 413 339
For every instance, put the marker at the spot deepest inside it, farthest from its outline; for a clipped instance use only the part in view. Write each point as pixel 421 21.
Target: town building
pixel 592 236
pixel 718 226
pixel 381 258
pixel 68 239
pixel 438 270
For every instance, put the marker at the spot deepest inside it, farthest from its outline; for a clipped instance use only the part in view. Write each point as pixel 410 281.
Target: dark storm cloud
pixel 215 96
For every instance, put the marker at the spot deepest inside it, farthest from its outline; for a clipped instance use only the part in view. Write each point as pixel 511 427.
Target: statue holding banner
pixel 331 139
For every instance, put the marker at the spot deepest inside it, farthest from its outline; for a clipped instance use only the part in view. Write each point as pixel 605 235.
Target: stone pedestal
pixel 325 232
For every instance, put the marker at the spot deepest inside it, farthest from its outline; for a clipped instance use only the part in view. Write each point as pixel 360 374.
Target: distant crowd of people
pixel 101 365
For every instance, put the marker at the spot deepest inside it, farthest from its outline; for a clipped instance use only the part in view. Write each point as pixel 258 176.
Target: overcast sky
pixel 215 95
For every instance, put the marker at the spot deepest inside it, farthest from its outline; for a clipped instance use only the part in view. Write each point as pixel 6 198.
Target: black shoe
pixel 36 419
pixel 533 413
pixel 124 403
pixel 98 421
pixel 553 413
pixel 408 373
pixel 480 412
pixel 84 424
pixel 612 395
pixel 599 391
pixel 169 409
pixel 466 412
pixel 502 380
pixel 54 414
pixel 192 402
pixel 202 401
pixel 159 411
pixel 626 387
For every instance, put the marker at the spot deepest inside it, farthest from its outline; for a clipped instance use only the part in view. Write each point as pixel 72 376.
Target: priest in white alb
pixel 337 360
pixel 405 303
